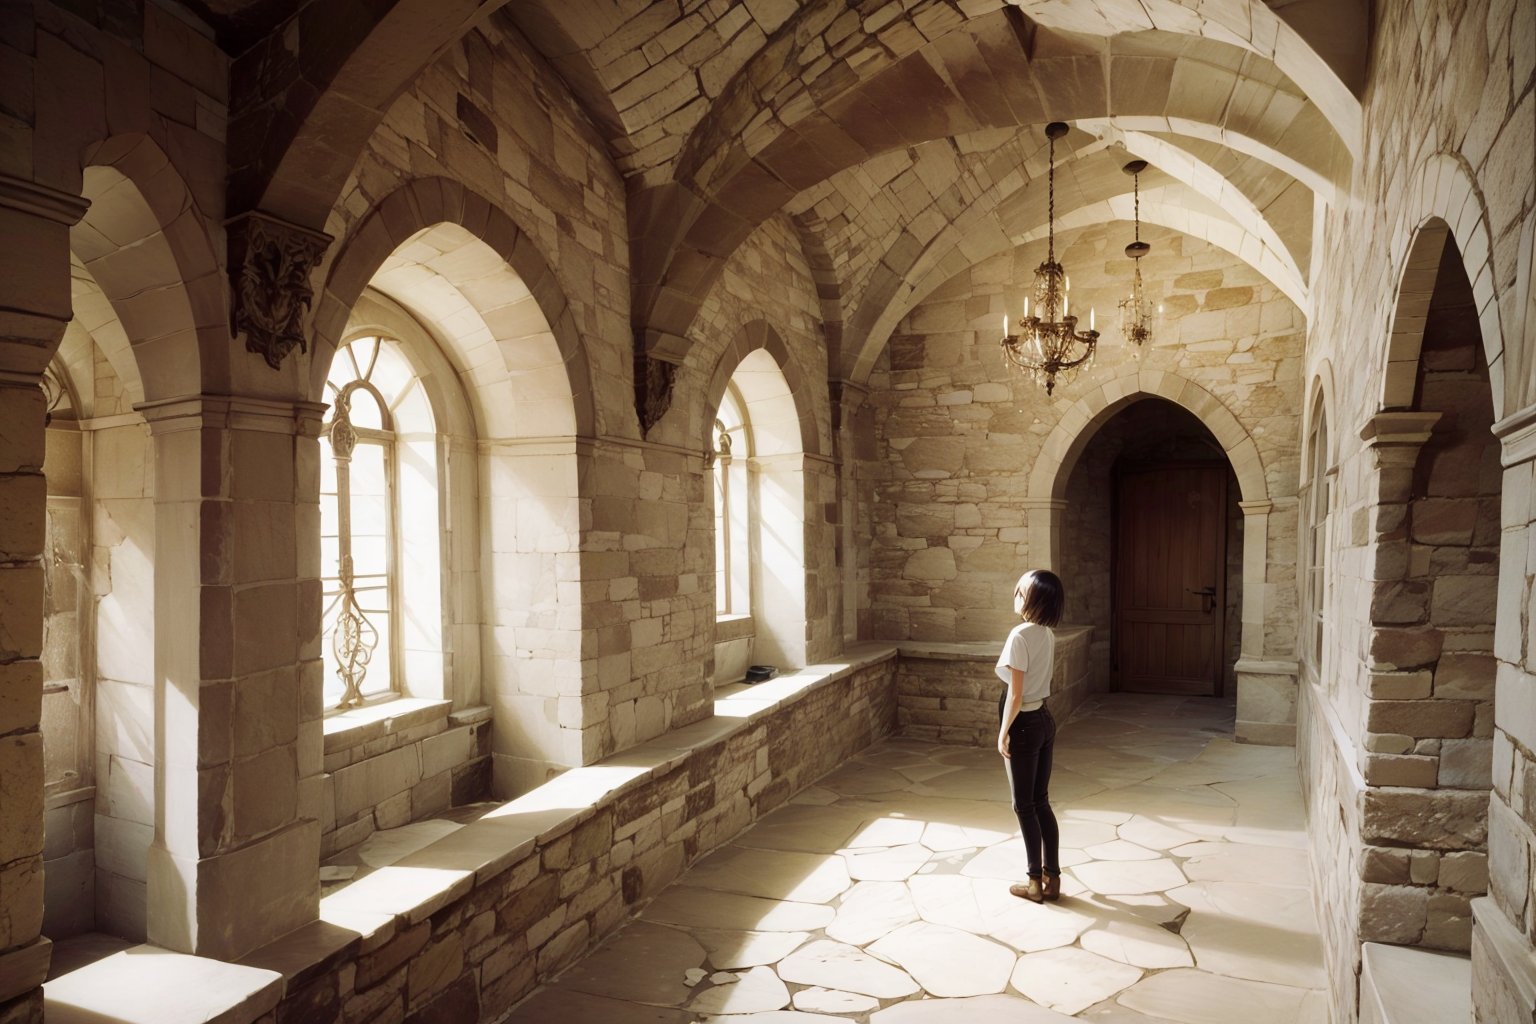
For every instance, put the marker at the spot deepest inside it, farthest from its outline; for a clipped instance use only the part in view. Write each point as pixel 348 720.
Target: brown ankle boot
pixel 1051 889
pixel 1030 890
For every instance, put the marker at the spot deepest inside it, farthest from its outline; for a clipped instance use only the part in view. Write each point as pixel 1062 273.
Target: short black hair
pixel 1043 597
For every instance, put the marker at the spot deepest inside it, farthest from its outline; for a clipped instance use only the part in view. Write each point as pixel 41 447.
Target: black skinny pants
pixel 1031 740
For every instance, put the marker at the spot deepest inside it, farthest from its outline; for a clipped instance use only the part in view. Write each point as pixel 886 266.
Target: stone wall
pixel 466 927
pixel 122 580
pixel 1446 150
pixel 963 432
pixel 948 692
pixel 974 484
pixel 399 762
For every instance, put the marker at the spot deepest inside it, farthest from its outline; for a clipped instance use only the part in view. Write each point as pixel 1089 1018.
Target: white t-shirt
pixel 1030 648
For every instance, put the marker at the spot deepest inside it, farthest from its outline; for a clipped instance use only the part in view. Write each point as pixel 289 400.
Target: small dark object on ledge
pixel 761 673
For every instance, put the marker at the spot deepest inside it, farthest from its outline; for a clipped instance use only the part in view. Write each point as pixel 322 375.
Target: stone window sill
pixel 357 726
pixel 734 627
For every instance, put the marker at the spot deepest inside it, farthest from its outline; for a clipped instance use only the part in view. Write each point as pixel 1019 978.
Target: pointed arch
pixel 144 243
pixel 1060 452
pixel 755 335
pixel 1443 205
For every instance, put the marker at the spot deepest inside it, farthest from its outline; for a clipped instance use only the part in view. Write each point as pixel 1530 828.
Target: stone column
pixel 1423 816
pixel 238 743
pixel 34 310
pixel 1266 685
pixel 1504 922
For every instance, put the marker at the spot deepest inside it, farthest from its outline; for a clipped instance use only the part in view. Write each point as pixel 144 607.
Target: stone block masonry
pixel 948 692
pixel 466 927
pixel 399 762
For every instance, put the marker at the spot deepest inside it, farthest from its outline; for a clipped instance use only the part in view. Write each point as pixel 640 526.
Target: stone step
pixel 1402 985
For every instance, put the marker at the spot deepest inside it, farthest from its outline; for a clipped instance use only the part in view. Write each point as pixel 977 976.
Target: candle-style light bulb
pixel 1005 325
pixel 1026 307
pixel 1091 311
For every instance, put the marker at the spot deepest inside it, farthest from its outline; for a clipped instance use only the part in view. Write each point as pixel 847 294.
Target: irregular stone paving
pixel 880 895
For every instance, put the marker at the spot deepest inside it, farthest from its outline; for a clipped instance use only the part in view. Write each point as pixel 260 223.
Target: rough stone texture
pixel 539 913
pixel 948 693
pixel 972 463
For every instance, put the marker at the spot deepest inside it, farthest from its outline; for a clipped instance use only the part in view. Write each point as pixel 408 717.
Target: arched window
pixel 733 450
pixel 377 486
pixel 1315 502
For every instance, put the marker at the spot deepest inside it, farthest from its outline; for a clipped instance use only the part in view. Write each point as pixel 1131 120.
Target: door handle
pixel 1207 596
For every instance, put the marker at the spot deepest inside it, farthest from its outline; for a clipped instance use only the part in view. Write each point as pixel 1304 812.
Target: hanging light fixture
pixel 1049 344
pixel 1136 316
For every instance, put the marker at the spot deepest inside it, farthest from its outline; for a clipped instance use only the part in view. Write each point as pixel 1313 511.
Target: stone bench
pixel 469 924
pixel 1403 985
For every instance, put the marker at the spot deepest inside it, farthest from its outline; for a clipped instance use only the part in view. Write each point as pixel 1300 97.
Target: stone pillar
pixel 1504 922
pixel 1424 811
pixel 34 310
pixel 238 741
pixel 853 446
pixel 1044 518
pixel 1266 685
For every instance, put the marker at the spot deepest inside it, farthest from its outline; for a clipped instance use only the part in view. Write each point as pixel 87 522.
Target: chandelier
pixel 1049 344
pixel 1136 316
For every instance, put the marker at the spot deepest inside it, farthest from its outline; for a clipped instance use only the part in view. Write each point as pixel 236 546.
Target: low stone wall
pixel 399 762
pixel 1332 793
pixel 948 692
pixel 463 929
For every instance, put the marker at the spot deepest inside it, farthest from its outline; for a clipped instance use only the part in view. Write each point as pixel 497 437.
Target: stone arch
pixel 553 349
pixel 781 433
pixel 1046 509
pixel 1320 396
pixel 95 317
pixel 753 336
pixel 1059 453
pixel 1442 204
pixel 728 181
pixel 144 243
pixel 894 292
pixel 295 142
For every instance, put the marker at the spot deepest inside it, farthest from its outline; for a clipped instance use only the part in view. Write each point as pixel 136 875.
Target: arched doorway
pixel 1154 552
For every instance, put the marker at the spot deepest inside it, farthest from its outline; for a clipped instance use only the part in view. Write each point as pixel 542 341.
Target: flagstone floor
pixel 880 895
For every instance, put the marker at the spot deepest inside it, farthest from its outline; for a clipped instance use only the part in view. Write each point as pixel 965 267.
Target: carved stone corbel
pixel 270 261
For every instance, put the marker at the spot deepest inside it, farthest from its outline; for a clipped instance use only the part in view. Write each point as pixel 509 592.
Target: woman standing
pixel 1026 732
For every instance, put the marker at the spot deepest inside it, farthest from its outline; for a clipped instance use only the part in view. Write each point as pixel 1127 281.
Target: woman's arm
pixel 1010 707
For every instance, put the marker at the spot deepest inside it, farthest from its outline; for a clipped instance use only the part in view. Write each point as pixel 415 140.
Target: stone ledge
pixel 734 627
pixel 1401 985
pixel 155 986
pixel 1508 952
pixel 367 914
pixel 347 729
pixel 979 651
pixel 24 968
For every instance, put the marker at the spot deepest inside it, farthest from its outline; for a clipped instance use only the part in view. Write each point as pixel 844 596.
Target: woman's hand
pixel 1002 744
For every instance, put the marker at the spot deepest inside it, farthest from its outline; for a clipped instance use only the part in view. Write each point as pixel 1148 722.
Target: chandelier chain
pixel 1050 244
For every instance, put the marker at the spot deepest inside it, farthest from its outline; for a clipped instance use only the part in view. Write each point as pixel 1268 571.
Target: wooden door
pixel 1170 577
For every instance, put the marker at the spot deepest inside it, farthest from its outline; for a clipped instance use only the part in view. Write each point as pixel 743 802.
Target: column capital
pixel 1517 437
pixel 1262 507
pixel 1049 504
pixel 42 201
pixel 1398 427
pixel 233 412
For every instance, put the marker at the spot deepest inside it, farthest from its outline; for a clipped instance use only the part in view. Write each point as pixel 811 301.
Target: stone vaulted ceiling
pixel 904 139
